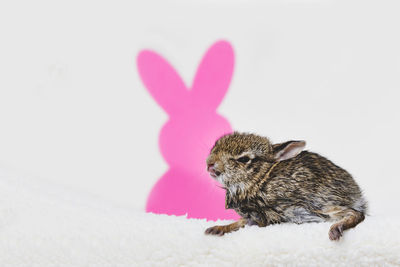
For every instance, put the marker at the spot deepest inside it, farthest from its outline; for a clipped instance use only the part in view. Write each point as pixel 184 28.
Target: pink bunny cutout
pixel 189 134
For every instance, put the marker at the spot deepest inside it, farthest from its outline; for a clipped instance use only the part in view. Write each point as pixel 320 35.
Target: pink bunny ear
pixel 162 81
pixel 213 76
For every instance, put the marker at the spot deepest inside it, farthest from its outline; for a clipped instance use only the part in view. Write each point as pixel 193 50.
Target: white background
pixel 73 110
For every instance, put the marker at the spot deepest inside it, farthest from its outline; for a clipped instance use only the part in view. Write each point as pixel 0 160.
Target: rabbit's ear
pixel 213 76
pixel 162 81
pixel 288 149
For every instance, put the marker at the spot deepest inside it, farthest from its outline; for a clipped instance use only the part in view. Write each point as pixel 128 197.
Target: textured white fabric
pixel 43 225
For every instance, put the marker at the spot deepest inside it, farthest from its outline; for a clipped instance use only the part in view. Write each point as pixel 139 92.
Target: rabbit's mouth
pixel 214 174
pixel 213 171
pixel 218 176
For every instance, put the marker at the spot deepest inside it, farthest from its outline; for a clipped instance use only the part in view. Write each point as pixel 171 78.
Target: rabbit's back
pixel 303 189
pixel 313 179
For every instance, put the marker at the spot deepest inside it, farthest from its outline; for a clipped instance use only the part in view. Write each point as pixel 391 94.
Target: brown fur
pixel 267 184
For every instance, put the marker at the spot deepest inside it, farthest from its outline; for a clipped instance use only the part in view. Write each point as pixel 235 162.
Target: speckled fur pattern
pixel 275 183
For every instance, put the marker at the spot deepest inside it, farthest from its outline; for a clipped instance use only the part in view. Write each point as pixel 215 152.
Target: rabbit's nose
pixel 210 167
pixel 212 170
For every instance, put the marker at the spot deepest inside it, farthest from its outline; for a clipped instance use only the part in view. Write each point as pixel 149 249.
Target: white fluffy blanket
pixel 43 225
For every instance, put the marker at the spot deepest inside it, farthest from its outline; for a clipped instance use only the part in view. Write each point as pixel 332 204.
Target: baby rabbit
pixel 273 183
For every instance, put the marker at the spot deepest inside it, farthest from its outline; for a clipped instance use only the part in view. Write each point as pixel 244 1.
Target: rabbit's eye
pixel 243 159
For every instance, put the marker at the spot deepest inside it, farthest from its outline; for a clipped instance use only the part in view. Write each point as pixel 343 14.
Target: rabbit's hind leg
pixel 223 229
pixel 347 218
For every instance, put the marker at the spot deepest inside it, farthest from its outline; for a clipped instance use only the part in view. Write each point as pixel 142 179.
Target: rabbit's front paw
pixel 336 231
pixel 216 230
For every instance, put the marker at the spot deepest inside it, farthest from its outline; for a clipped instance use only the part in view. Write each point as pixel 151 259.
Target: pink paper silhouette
pixel 189 134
